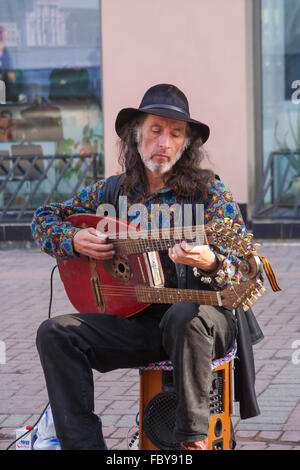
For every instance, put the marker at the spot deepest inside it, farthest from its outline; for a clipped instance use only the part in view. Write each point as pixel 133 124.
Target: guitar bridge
pixel 99 298
pixel 96 286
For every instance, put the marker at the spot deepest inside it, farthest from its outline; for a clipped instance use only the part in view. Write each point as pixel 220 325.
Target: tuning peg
pixel 258 292
pixel 256 246
pixel 253 297
pixel 249 302
pixel 249 237
pixel 262 289
pixel 228 221
pixel 245 307
pixel 236 227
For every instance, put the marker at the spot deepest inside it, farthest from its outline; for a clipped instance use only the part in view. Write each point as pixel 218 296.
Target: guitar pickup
pixel 154 269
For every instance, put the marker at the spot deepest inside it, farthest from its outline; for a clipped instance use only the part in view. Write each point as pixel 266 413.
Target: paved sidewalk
pixel 24 286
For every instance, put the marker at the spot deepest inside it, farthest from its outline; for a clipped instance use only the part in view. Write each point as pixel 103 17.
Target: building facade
pixel 238 62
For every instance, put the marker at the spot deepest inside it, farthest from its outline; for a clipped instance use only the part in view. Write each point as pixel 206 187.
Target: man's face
pixel 160 143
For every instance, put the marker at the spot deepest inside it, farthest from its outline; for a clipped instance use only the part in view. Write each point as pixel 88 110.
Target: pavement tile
pixel 246 435
pixel 121 433
pixel 293 423
pixel 110 420
pixel 4 444
pixel 293 436
pixel 269 435
pixel 15 421
pixel 7 433
pixel 108 430
pixel 251 446
pixel 279 447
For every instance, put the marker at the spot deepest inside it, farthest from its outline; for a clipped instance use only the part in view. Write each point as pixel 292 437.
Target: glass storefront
pixel 51 125
pixel 280 63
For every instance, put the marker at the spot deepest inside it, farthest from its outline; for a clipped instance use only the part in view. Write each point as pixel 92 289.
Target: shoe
pixel 199 445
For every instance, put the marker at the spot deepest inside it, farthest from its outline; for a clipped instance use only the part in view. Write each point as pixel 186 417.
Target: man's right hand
pixel 90 242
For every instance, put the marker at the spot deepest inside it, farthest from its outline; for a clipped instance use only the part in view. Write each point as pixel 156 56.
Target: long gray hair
pixel 186 172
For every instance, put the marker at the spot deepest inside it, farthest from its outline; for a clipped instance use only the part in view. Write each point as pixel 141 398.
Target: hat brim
pixel 127 114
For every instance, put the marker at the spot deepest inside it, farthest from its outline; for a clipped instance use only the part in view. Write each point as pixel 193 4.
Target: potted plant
pixel 290 142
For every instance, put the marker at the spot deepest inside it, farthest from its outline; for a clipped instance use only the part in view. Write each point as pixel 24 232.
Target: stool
pixel 158 405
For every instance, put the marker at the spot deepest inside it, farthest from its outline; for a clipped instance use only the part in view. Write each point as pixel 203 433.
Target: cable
pixel 134 438
pixel 51 290
pixel 49 316
pixel 29 430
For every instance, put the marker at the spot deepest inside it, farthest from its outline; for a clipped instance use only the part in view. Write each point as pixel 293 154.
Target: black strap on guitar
pixel 113 190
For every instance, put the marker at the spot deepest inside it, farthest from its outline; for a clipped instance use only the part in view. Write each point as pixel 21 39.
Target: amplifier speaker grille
pixel 159 413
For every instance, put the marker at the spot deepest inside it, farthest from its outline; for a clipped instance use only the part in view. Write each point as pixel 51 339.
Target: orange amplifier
pixel 158 405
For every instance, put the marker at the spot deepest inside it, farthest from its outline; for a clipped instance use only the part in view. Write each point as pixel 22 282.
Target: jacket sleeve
pixel 50 230
pixel 221 204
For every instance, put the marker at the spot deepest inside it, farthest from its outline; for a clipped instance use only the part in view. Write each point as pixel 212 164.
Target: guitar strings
pixel 172 233
pixel 165 293
pixel 192 228
pixel 164 242
pixel 168 294
pixel 158 235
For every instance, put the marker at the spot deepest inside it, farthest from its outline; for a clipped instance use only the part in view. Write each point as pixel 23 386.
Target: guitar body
pixel 133 279
pixel 121 274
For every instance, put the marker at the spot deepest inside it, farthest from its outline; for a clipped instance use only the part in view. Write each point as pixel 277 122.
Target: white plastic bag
pixel 46 434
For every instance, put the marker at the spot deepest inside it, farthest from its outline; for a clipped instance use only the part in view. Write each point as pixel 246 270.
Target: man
pixel 161 152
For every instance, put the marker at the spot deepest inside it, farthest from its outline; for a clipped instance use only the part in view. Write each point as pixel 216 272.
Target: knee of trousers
pixel 181 319
pixel 46 334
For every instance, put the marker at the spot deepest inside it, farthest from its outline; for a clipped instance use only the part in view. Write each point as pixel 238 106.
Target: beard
pixel 160 167
pixel 157 167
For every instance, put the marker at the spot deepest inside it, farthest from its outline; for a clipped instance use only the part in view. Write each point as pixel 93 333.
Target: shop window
pixel 280 61
pixel 51 126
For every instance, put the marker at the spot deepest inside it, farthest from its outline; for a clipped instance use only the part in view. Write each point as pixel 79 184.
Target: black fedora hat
pixel 166 101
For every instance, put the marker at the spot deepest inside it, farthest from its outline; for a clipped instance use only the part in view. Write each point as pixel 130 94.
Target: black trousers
pixel 71 346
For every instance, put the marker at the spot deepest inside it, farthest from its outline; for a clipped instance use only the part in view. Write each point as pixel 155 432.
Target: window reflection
pixel 280 32
pixel 50 62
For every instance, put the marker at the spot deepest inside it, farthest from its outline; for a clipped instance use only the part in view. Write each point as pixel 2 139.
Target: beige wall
pixel 199 46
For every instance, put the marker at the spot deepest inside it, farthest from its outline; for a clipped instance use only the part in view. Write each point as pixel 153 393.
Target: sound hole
pixel 118 267
pixel 218 427
pixel 121 268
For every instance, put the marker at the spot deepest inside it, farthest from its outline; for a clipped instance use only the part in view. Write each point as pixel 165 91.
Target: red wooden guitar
pixel 133 278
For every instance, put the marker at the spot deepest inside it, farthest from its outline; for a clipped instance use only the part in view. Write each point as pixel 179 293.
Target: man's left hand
pixel 199 256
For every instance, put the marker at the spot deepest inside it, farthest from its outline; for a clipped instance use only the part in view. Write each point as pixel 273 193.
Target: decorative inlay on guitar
pixel 133 278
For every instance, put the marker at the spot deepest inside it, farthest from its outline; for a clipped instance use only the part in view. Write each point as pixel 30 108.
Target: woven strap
pixel 167 365
pixel 270 274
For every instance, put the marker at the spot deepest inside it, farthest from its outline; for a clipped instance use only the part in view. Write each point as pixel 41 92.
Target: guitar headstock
pixel 243 294
pixel 226 234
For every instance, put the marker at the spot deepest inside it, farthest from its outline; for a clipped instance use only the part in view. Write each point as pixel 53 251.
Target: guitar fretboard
pixel 163 239
pixel 170 296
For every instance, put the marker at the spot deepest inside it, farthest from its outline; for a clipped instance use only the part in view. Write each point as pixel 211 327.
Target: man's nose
pixel 164 140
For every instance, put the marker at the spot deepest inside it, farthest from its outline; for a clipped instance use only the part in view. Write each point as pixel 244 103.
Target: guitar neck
pixel 171 296
pixel 163 239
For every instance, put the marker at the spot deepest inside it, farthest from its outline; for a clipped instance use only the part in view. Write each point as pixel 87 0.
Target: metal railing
pixel 36 169
pixel 276 188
